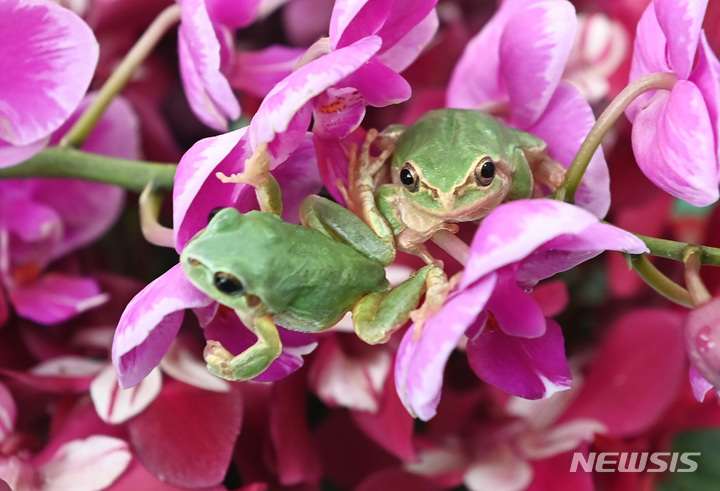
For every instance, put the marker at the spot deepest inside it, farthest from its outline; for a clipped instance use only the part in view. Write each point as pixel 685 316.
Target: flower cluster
pixel 529 347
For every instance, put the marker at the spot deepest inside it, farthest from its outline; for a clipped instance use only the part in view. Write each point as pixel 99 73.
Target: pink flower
pixel 51 54
pixel 152 319
pixel 513 69
pixel 510 342
pixel 675 133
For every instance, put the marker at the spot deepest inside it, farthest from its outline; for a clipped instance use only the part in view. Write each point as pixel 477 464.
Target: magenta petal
pixel 420 363
pixel 706 76
pixel 187 434
pixel 51 72
pixel 56 298
pixel 379 85
pixel 564 125
pixel 516 312
pixel 404 16
pixel 298 178
pixel 197 191
pixel 206 88
pixel 681 22
pixel 530 368
pixel 149 324
pixel 353 20
pixel 534 48
pixel 401 54
pixel 257 72
pixel 702 340
pixel 232 13
pixel 291 94
pixel 8 412
pixel 333 162
pixel 4 310
pixel 337 113
pixel 674 144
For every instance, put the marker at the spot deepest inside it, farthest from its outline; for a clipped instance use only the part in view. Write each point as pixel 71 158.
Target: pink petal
pixel 552 473
pixel 12 154
pixel 332 157
pixel 405 51
pixel 699 384
pixel 530 368
pixel 649 55
pixel 630 372
pixel 564 125
pixel 673 141
pixel 115 405
pixel 51 72
pixel 291 94
pixel 55 298
pixel 257 72
pixel 534 48
pixel 232 13
pixel 702 340
pixel 206 88
pixel 337 113
pixel 706 76
pixel 86 465
pixel 379 85
pixel 502 469
pixel 681 22
pixel 353 20
pixel 187 434
pixel 420 363
pixel 60 375
pixel 404 16
pixel 516 312
pixel 149 324
pixel 8 413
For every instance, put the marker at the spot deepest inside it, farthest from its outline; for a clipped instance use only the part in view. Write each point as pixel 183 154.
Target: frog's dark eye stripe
pixel 228 284
pixel 409 177
pixel 485 172
pixel 214 212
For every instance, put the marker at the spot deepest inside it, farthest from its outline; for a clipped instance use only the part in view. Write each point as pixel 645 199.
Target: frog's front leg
pixel 378 315
pixel 545 170
pixel 251 362
pixel 256 173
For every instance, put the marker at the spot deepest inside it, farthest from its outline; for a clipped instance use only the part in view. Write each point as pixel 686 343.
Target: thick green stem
pixel 676 251
pixel 120 77
pixel 76 164
pixel 659 282
pixel 607 119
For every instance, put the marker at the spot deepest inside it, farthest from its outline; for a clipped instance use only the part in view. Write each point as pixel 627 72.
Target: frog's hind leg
pixel 256 173
pixel 251 362
pixel 378 315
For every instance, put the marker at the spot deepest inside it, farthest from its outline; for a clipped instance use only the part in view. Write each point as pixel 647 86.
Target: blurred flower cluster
pixel 547 349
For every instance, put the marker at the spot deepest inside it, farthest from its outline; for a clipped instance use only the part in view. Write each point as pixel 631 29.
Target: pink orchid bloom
pixel 513 69
pixel 676 133
pixel 52 54
pixel 40 222
pixel 358 65
pixel 511 344
pixel 152 319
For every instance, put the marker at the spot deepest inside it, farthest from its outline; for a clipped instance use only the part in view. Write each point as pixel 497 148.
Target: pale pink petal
pixel 61 375
pixel 699 384
pixel 149 324
pixel 115 405
pixel 649 55
pixel 187 435
pixel 91 464
pixel 187 367
pixel 291 94
pixel 674 145
pixel 8 413
pixel 681 21
pixel 199 49
pixel 51 72
pixel 337 113
pixel 232 13
pixel 530 368
pixel 353 20
pixel 560 438
pixel 534 48
pixel 12 154
pixel 421 360
pixel 706 76
pixel 29 220
pixel 56 297
pixel 501 470
pixel 564 125
pixel 702 340
pixel 406 50
pixel 257 72
pixel 306 20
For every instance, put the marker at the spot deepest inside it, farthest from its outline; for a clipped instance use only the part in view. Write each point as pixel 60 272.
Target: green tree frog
pixel 301 277
pixel 451 165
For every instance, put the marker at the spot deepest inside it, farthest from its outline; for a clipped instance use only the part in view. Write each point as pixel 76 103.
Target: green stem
pixel 76 164
pixel 676 251
pixel 607 119
pixel 658 281
pixel 120 77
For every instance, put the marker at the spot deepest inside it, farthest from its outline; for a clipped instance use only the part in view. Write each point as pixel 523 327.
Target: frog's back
pixel 307 278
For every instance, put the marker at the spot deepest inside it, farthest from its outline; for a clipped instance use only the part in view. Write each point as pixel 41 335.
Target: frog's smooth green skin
pixel 456 165
pixel 303 278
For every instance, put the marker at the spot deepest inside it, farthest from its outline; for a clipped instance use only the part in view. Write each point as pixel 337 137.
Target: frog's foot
pixel 413 242
pixel 251 362
pixel 438 289
pixel 549 172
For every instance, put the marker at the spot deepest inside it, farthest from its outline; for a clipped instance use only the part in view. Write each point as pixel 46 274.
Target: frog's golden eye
pixel 409 177
pixel 485 172
pixel 228 284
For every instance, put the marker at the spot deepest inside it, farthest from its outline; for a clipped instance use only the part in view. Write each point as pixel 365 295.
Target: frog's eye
pixel 485 172
pixel 409 177
pixel 228 284
pixel 214 212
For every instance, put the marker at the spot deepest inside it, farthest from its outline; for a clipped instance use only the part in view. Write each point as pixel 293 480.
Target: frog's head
pixel 210 262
